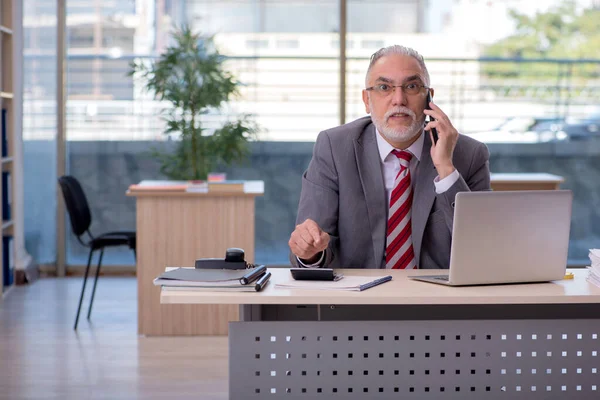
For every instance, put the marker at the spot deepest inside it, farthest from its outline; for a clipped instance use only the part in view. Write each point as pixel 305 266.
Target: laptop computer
pixel 508 237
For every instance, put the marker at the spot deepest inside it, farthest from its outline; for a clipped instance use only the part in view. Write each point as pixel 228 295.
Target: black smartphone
pixel 313 274
pixel 429 118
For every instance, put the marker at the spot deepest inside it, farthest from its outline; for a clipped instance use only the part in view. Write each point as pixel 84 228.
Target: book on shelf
pixel 3 128
pixel 6 196
pixel 7 260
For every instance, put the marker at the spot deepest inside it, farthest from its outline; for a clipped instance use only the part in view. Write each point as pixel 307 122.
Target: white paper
pixel 346 283
pixel 594 268
pixel 595 257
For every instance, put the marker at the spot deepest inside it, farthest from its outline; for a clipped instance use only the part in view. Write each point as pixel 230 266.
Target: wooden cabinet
pixel 173 230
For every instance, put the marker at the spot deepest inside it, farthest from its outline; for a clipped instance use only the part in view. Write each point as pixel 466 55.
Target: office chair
pixel 81 219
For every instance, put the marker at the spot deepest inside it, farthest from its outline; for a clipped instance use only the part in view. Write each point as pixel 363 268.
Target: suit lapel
pixel 423 196
pixel 369 170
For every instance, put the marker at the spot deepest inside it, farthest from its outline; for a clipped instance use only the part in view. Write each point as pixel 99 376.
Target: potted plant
pixel 190 75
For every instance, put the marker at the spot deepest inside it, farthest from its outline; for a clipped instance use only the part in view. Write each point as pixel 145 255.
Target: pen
pixel 252 275
pixel 262 281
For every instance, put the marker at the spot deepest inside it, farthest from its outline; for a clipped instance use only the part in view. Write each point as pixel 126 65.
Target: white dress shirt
pixel 390 166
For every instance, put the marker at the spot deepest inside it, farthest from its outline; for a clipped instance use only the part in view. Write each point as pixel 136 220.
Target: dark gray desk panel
pixel 415 359
pixel 422 312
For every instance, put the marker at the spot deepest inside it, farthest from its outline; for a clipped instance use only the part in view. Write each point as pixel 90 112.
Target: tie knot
pixel 403 156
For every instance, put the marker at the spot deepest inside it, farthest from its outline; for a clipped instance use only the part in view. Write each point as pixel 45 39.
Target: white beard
pixel 399 134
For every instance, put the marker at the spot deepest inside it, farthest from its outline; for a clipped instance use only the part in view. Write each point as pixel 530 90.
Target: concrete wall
pixel 106 169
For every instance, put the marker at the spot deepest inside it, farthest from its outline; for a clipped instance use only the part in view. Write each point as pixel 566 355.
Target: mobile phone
pixel 429 118
pixel 313 274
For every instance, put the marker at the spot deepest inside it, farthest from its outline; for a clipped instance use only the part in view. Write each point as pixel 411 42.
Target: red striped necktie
pixel 399 248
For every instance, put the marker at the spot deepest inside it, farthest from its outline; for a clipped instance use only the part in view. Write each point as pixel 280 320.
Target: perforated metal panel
pixel 505 359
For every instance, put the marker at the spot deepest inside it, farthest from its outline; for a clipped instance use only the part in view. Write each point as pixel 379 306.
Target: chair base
pixel 87 270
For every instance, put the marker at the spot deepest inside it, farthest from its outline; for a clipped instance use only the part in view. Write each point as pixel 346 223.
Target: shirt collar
pixel 385 148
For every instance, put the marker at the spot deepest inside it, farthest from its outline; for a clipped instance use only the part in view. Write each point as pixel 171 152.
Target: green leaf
pixel 563 32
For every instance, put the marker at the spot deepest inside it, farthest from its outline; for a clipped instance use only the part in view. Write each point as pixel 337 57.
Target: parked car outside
pixel 574 129
pixel 520 130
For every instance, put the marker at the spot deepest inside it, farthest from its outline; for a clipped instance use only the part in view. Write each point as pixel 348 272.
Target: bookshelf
pixel 10 130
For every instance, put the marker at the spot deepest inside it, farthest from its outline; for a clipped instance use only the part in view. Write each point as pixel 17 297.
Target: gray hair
pixel 401 50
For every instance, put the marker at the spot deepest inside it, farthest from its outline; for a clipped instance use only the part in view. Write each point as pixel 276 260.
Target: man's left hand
pixel 441 152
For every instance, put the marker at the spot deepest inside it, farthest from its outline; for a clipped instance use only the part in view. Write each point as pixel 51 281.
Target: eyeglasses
pixel 385 89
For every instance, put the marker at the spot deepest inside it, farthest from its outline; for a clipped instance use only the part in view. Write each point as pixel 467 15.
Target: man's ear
pixel 365 98
pixel 432 92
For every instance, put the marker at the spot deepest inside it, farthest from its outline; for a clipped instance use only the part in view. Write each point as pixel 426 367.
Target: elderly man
pixel 379 191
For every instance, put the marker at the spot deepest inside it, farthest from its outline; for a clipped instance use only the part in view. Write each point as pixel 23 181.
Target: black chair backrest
pixel 77 204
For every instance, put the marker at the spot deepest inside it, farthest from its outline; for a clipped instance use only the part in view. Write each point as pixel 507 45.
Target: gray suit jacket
pixel 343 191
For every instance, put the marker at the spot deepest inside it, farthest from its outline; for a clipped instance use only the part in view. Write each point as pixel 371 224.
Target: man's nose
pixel 398 96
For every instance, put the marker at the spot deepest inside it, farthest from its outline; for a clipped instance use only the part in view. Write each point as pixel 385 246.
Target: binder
pixel 215 279
pixel 6 196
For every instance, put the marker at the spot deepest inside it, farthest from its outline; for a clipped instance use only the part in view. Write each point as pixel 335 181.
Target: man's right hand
pixel 308 240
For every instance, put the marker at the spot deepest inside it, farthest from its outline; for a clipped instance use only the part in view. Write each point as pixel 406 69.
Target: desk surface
pixel 166 188
pixel 158 193
pixel 400 290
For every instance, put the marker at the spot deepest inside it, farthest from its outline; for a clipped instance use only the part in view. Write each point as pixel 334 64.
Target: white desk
pixel 401 291
pixel 414 340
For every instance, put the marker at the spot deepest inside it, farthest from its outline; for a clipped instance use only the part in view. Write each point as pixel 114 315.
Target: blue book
pixel 6 196
pixel 7 267
pixel 3 123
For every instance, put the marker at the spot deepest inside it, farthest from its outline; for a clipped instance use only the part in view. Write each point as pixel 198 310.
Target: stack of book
pixel 159 186
pixel 170 186
pixel 594 268
pixel 243 280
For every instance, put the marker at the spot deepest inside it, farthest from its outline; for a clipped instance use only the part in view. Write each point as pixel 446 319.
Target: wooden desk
pixel 413 340
pixel 174 229
pixel 525 181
